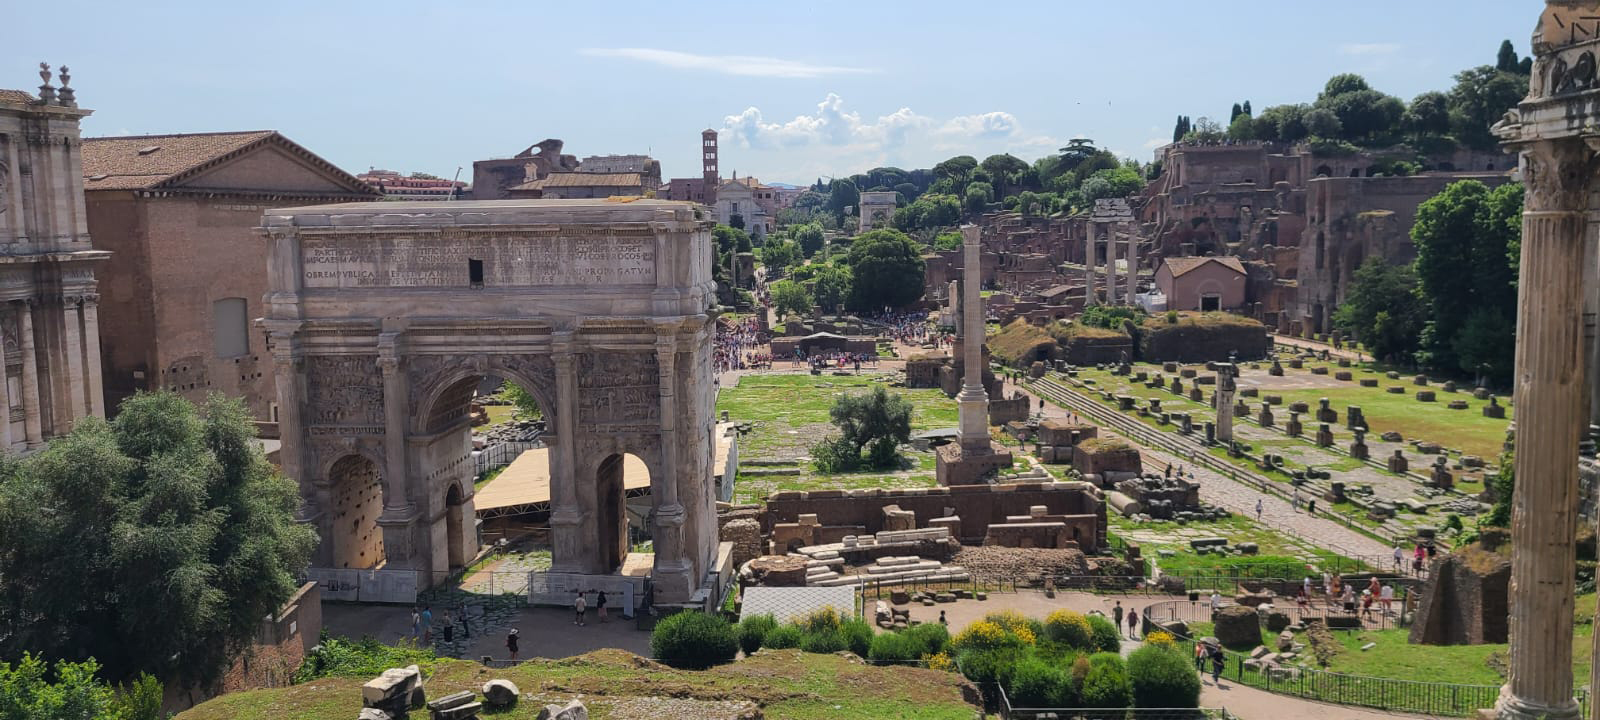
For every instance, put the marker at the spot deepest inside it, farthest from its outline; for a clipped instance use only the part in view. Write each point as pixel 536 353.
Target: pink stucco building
pixel 1202 283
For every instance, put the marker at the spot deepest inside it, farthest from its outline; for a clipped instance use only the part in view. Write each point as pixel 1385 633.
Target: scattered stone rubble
pixel 398 691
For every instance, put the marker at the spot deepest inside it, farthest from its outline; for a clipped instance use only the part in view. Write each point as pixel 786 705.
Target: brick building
pixel 180 212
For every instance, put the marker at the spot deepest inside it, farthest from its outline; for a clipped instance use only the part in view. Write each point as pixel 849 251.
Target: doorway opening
pixel 357 502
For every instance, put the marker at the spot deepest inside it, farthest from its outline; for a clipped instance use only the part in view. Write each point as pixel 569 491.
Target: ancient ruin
pixel 975 456
pixel 383 317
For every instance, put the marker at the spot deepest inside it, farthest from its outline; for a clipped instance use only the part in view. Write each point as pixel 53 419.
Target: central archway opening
pixel 611 512
pixel 454 528
pixel 357 501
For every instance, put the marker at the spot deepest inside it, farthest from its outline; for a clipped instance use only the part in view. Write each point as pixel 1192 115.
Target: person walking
pixel 1399 556
pixel 600 605
pixel 466 627
pixel 1200 657
pixel 416 623
pixel 1216 602
pixel 1133 626
pixel 427 625
pixel 942 620
pixel 449 628
pixel 1216 665
pixel 581 605
pixel 1259 507
pixel 1311 506
pixel 1116 612
pixel 511 643
pixel 1295 501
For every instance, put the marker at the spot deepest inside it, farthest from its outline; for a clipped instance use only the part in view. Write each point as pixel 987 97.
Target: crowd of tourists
pixel 740 345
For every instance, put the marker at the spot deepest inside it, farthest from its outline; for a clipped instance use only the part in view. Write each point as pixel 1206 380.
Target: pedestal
pixel 965 466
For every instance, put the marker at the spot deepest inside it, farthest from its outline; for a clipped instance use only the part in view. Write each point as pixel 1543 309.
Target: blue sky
pixel 799 89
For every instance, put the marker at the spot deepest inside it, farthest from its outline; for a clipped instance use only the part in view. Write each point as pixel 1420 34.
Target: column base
pixel 957 465
pixel 1511 707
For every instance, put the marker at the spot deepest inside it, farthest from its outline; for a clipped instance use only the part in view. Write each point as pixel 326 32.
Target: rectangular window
pixel 230 327
pixel 475 272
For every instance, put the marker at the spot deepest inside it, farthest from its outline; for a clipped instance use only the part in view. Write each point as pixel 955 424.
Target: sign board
pixel 376 586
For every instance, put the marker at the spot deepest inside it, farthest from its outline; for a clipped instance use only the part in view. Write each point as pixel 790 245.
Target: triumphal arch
pixel 384 317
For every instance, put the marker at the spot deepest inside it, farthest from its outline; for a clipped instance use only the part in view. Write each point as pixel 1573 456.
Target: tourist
pixel 1373 585
pixel 1366 603
pixel 942 620
pixel 1258 509
pixel 1305 588
pixel 1349 599
pixel 416 623
pixel 1216 665
pixel 449 628
pixel 511 643
pixel 1386 598
pixel 1295 501
pixel 1133 626
pixel 1302 599
pixel 427 626
pixel 1116 613
pixel 581 605
pixel 1416 560
pixel 1216 602
pixel 1311 506
pixel 600 605
pixel 1200 657
pixel 466 628
pixel 1327 583
pixel 1398 557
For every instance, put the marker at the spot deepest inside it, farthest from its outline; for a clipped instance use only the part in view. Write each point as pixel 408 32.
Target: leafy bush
pixel 338 657
pixel 1107 684
pixel 1106 636
pixel 824 641
pixel 931 638
pixel 783 637
pixel 892 647
pixel 1163 678
pixel 857 635
pixel 987 635
pixel 835 455
pixel 694 641
pixel 1161 638
pixel 1039 684
pixel 753 630
pixel 1069 628
pixel 1107 316
pixel 941 661
pixel 1027 629
pixel 992 665
pixel 34 690
pixel 1172 317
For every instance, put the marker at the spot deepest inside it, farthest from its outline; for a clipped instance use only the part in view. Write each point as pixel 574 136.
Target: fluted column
pixel 1111 263
pixel 1133 268
pixel 91 343
pixel 397 502
pixel 973 401
pixel 566 516
pixel 31 422
pixel 1550 405
pixel 1091 228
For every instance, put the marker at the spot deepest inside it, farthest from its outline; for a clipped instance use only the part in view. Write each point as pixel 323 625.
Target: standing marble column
pixel 1111 263
pixel 72 351
pixel 91 343
pixel 673 571
pixel 973 401
pixel 566 515
pixel 397 502
pixel 1133 267
pixel 1550 406
pixel 1091 229
pixel 31 422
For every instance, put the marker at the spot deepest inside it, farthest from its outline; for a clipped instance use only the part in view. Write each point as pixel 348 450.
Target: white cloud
pixel 747 65
pixel 831 125
pixel 1369 49
pixel 1156 142
pixel 988 125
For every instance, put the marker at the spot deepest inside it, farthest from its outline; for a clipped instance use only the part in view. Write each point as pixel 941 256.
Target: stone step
pixel 897 560
pixel 821 578
pixel 949 575
pixel 923 566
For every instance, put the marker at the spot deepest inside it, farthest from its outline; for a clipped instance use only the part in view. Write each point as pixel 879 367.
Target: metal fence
pixel 499 455
pixel 1412 696
pixel 1336 617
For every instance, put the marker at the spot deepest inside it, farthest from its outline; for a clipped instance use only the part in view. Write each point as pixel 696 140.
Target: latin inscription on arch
pixel 575 257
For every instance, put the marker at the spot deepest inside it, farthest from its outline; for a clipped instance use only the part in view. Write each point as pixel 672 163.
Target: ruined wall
pixel 976 505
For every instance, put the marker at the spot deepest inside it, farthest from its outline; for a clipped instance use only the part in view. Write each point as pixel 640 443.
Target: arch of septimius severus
pixel 384 317
pixel 1556 129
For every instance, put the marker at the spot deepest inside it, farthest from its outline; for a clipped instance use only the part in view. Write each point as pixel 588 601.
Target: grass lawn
pixel 785 684
pixel 789 414
pixel 499 413
pixel 1237 529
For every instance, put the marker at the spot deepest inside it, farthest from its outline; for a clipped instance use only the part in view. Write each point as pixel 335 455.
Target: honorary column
pixel 1550 407
pixel 973 402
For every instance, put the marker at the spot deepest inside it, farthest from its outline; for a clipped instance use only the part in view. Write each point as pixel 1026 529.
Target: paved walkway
pixel 1318 347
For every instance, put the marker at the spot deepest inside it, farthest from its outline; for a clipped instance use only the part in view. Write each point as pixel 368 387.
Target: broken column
pixel 1224 399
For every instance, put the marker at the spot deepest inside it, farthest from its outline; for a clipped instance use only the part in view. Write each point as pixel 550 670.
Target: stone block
pixel 1425 396
pixel 1369 382
pixel 468 711
pixel 1458 405
pixel 1273 399
pixel 1343 375
pixel 1395 390
pixel 373 714
pixel 1299 407
pixel 1296 363
pixel 1276 622
pixel 1397 462
pixel 500 693
pixel 1420 380
pixel 393 683
pixel 1319 370
pixel 571 711
pixel 452 700
pixel 1237 626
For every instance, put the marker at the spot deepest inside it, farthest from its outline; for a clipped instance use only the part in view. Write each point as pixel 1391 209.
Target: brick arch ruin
pixel 382 317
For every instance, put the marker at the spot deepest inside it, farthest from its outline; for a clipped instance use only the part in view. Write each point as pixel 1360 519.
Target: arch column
pixel 33 428
pixel 1550 408
pixel 673 572
pixel 566 515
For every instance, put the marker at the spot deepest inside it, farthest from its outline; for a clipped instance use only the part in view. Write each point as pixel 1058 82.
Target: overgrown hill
pixel 616 685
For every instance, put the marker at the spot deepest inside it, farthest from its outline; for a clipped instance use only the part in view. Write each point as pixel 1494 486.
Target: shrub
pixel 1107 684
pixel 893 647
pixel 335 657
pixel 783 637
pixel 1106 637
pixel 824 641
pixel 835 455
pixel 754 629
pixel 1024 627
pixel 992 665
pixel 941 661
pixel 1068 628
pixel 1161 638
pixel 857 635
pixel 986 635
pixel 931 638
pixel 694 641
pixel 1162 678
pixel 1038 684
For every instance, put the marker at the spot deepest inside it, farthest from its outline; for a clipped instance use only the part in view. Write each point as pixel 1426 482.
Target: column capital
pixel 1557 174
pixel 390 364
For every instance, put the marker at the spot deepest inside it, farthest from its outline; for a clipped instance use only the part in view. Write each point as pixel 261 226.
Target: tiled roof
pixel 1182 265
pixel 582 179
pixel 16 96
pixel 129 163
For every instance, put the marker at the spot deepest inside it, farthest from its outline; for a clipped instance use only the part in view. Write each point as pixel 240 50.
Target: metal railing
pixel 1413 696
pixel 1340 617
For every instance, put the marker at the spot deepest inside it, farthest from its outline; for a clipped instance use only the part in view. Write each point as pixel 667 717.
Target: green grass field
pixel 789 414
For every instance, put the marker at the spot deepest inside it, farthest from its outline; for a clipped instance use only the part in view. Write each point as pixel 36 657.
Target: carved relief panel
pixel 620 390
pixel 346 392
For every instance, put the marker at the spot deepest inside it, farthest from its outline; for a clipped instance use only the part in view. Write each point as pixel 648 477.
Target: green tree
pixel 1116 183
pixel 1465 237
pixel 155 543
pixel 810 238
pixel 1428 114
pixel 1506 60
pixel 30 690
pixel 780 255
pixel 1242 128
pixel 1206 130
pixel 1343 83
pixel 877 421
pixel 731 239
pixel 1235 113
pixel 1481 96
pixel 1283 123
pixel 789 297
pixel 947 241
pixel 736 221
pixel 1322 122
pixel 1364 113
pixel 830 287
pixel 527 406
pixel 886 271
pixel 978 196
pixel 1382 309
pixel 843 194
